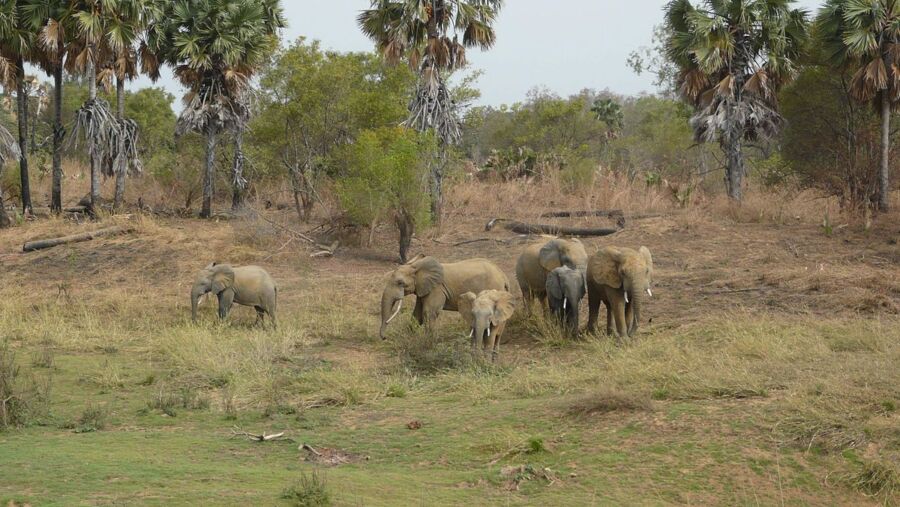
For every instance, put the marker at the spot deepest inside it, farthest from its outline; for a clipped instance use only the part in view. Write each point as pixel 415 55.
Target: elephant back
pixel 529 272
pixel 472 275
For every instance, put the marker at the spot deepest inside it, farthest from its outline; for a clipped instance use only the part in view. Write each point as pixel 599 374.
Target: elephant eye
pixel 400 282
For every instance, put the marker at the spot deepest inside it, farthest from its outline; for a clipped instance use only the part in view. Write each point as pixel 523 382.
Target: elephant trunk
pixel 196 293
pixel 637 299
pixel 388 312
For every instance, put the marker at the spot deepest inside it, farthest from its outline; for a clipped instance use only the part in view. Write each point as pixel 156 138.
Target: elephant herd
pixel 558 272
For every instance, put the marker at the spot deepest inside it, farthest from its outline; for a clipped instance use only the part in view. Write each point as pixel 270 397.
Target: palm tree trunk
pixel 437 185
pixel 209 172
pixel 22 105
pixel 95 162
pixel 237 170
pixel 121 164
pixel 4 218
pixel 58 134
pixel 884 177
pixel 734 169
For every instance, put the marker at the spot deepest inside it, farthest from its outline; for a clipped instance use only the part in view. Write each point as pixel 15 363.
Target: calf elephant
pixel 486 314
pixel 437 286
pixel 246 285
pixel 619 278
pixel 538 260
pixel 565 290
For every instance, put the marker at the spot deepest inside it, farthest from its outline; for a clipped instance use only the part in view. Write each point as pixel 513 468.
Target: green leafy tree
pixel 382 178
pixel 733 56
pixel 216 47
pixel 609 112
pixel 315 101
pixel 865 35
pixel 432 36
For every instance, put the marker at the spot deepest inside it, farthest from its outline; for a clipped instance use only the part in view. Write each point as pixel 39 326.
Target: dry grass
pixel 604 401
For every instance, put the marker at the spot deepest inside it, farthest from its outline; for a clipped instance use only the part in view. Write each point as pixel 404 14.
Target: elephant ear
pixel 549 257
pixel 465 304
pixel 415 259
pixel 604 267
pixel 429 275
pixel 503 307
pixel 554 285
pixel 645 253
pixel 222 278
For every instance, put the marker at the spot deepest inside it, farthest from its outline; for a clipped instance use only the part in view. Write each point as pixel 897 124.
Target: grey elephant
pixel 245 285
pixel 619 278
pixel 538 260
pixel 486 314
pixel 565 289
pixel 437 286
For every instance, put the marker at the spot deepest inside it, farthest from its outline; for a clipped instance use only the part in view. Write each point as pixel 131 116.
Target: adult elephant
pixel 539 259
pixel 619 278
pixel 437 286
pixel 245 285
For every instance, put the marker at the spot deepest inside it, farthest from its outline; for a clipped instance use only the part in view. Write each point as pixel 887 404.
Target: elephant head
pixel 419 276
pixel 214 278
pixel 486 311
pixel 629 270
pixel 563 252
pixel 565 290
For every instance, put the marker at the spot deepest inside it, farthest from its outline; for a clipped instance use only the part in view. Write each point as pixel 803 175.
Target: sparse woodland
pixel 761 175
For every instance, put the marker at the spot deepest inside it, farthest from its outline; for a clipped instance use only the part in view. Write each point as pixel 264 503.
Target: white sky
pixel 564 45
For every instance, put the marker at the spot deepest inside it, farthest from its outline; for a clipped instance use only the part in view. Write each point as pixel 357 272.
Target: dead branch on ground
pixel 75 238
pixel 526 228
pixel 238 432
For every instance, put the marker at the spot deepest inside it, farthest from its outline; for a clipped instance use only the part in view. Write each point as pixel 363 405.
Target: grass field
pixel 768 374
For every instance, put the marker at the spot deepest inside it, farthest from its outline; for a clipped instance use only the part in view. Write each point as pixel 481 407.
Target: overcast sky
pixel 564 45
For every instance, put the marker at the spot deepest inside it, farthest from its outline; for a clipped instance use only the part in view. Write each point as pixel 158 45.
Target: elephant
pixel 245 285
pixel 486 314
pixel 540 259
pixel 437 286
pixel 565 290
pixel 619 278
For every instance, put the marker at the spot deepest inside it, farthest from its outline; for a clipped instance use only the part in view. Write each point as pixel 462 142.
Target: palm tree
pixel 865 35
pixel 52 20
pixel 216 46
pixel 733 56
pixel 609 112
pixel 124 28
pixel 420 31
pixel 16 42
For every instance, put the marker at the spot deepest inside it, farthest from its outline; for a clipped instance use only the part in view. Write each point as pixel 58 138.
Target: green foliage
pixel 316 100
pixel 93 418
pixel 382 175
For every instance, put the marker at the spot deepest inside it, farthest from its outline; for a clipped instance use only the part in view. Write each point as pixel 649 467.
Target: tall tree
pixel 17 40
pixel 420 32
pixel 53 20
pixel 216 46
pixel 733 56
pixel 865 35
pixel 124 28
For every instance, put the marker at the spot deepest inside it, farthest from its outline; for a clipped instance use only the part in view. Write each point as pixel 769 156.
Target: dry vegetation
pixel 768 373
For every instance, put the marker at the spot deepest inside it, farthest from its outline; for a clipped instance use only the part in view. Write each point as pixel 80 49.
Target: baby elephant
pixel 486 315
pixel 565 290
pixel 246 285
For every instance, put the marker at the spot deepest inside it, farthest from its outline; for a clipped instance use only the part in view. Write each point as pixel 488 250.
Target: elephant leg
pixel 260 317
pixel 495 346
pixel 593 309
pixel 226 299
pixel 619 316
pixel 609 319
pixel 417 311
pixel 432 306
pixel 476 341
pixel 527 300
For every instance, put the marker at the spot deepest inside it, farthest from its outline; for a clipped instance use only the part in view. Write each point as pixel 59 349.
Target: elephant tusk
pixel 649 292
pixel 400 305
pixel 626 297
pixel 472 333
pixel 564 303
pixel 489 331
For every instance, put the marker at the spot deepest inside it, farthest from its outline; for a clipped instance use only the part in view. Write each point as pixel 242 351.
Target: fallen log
pixel 525 228
pixel 578 214
pixel 33 246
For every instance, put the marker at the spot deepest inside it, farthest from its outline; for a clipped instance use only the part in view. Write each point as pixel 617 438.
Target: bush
pixel 20 404
pixel 309 491
pixel 425 352
pixel 92 419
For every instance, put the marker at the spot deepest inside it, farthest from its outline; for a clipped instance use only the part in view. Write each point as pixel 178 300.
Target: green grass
pixel 744 411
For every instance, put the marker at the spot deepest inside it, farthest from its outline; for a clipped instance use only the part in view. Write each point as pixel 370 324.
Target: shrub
pixel 310 490
pixel 93 418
